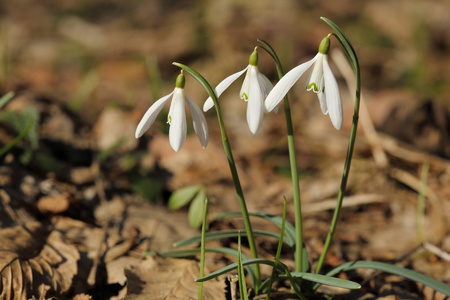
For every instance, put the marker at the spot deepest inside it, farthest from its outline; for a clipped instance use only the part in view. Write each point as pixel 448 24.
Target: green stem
pixel 298 255
pixel 351 144
pixel 17 139
pixel 202 249
pixel 232 165
pixel 278 254
pixel 296 190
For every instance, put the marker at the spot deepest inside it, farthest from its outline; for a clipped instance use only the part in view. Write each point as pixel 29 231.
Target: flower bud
pixel 253 59
pixel 181 80
pixel 324 45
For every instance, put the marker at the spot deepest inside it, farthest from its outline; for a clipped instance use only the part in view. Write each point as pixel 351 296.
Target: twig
pixel 349 202
pixel 442 254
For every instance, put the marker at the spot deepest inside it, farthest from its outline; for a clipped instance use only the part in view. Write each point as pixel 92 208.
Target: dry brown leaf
pixel 33 264
pixel 168 278
pixel 82 297
pixel 54 204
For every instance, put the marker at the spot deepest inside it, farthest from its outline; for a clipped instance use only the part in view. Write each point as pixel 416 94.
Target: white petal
pixel 199 122
pixel 284 85
pixel 332 96
pixel 177 131
pixel 265 86
pixel 245 89
pixel 221 87
pixel 315 79
pixel 150 115
pixel 323 102
pixel 255 106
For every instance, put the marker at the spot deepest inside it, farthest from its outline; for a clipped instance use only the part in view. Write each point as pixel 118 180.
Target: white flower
pixel 254 90
pixel 321 81
pixel 176 117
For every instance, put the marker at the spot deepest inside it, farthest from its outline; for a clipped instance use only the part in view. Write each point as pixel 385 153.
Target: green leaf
pixel 278 221
pixel 25 123
pixel 223 234
pixel 327 280
pixel 350 52
pixel 17 139
pixel 203 246
pixel 19 120
pixel 233 266
pixel 6 98
pixel 195 213
pixel 279 248
pixel 182 196
pixel 393 269
pixel 242 283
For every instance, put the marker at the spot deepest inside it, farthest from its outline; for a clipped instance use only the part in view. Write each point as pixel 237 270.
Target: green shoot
pixel 202 248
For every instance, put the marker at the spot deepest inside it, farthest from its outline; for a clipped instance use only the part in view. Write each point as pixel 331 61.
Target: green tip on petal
pixel 324 45
pixel 313 86
pixel 253 59
pixel 181 80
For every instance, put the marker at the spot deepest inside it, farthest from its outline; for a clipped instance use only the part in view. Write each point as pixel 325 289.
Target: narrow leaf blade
pixel 328 280
pixel 393 269
pixel 223 234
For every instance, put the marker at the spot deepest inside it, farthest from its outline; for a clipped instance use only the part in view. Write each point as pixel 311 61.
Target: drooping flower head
pixel 321 81
pixel 254 90
pixel 176 117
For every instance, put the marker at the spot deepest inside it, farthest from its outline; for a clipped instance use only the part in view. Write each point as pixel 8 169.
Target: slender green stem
pixel 232 165
pixel 298 255
pixel 17 139
pixel 296 190
pixel 351 144
pixel 242 284
pixel 278 254
pixel 202 249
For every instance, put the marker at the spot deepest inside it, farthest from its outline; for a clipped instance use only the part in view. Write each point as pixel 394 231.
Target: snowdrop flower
pixel 254 90
pixel 176 117
pixel 321 81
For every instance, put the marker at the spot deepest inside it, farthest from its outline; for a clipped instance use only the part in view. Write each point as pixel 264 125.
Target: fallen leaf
pixel 54 204
pixel 168 278
pixel 82 297
pixel 33 264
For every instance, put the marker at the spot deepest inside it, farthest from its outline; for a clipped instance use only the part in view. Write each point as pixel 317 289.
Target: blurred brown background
pixel 52 45
pixel 107 61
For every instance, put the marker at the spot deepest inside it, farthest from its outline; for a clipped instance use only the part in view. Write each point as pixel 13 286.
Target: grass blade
pixel 289 228
pixel 223 234
pixel 393 269
pixel 327 280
